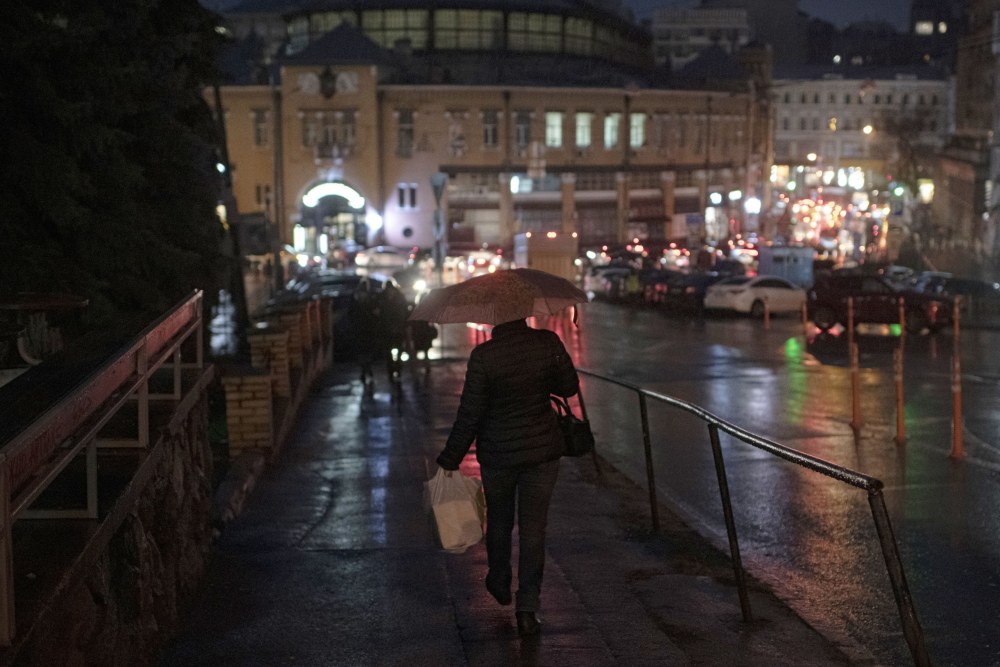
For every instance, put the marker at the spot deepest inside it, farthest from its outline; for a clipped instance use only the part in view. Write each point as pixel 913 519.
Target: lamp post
pixel 438 181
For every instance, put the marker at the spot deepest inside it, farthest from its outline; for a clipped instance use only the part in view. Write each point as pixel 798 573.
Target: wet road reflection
pixel 810 537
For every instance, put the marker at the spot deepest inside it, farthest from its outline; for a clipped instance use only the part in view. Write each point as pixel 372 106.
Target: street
pixel 812 538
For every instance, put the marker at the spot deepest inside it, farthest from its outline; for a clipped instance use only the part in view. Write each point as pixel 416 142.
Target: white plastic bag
pixel 458 506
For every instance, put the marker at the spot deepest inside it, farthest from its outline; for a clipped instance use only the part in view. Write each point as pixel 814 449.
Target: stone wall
pixel 125 594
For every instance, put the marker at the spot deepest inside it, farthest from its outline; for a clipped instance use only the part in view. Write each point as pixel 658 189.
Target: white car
pixel 382 257
pixel 753 295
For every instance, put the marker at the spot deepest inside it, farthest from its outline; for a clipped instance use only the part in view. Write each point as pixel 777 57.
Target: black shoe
pixel 501 595
pixel 527 623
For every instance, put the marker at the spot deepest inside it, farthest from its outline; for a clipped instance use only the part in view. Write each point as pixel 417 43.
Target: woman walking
pixel 505 408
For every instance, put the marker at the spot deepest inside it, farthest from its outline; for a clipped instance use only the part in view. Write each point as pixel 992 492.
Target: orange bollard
pixel 957 451
pixel 900 421
pixel 902 321
pixel 850 324
pixel 855 389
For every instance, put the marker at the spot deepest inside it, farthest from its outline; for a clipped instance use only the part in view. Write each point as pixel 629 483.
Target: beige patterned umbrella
pixel 499 297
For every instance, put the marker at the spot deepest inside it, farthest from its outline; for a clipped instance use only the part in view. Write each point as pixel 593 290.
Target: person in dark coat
pixel 364 317
pixel 505 408
pixel 393 311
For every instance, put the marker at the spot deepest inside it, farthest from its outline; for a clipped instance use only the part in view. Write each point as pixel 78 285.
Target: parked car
pixel 755 295
pixel 382 257
pixel 654 284
pixel 605 281
pixel 876 300
pixel 940 282
pixel 686 291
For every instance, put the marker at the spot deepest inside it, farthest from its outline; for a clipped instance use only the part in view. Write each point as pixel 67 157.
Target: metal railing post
pixel 912 631
pixel 654 510
pixel 727 510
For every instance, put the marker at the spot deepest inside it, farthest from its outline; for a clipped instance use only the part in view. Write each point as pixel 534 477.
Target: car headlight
pixel 420 285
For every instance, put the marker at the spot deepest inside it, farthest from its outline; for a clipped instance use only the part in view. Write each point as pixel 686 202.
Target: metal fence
pixel 872 487
pixel 32 459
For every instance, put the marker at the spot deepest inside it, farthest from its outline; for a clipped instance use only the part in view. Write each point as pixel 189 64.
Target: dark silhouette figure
pixel 505 408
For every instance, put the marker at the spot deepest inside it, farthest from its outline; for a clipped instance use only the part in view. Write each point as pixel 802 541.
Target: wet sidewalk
pixel 333 561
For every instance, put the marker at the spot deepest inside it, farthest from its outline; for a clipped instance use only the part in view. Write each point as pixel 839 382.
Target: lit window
pixel 832 124
pixel 923 27
pixel 943 28
pixel 637 130
pixel 611 123
pixel 584 121
pixel 553 129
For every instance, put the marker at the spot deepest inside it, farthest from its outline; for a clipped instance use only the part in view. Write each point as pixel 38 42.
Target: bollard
pixel 767 316
pixel 956 391
pixel 902 321
pixel 855 389
pixel 805 320
pixel 900 421
pixel 850 323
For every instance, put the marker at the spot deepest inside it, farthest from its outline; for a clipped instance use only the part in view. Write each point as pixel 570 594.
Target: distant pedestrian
pixel 393 310
pixel 364 318
pixel 505 408
pixel 421 335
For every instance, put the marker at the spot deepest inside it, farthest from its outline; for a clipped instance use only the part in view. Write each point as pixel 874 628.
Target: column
pixel 621 229
pixel 568 186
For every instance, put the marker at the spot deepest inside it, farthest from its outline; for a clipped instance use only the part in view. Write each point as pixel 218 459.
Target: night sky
pixel 838 12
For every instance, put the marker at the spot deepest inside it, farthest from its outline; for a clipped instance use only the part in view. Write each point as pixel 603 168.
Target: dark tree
pixel 108 185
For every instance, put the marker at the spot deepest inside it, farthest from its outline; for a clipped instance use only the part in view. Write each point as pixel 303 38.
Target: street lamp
pixel 438 181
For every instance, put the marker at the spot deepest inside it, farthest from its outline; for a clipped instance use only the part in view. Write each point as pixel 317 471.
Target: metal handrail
pixel 31 459
pixel 912 630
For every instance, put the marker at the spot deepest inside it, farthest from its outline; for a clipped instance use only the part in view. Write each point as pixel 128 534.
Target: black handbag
pixel 577 437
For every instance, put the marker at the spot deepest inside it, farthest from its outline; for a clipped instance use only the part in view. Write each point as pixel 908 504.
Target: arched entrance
pixel 330 213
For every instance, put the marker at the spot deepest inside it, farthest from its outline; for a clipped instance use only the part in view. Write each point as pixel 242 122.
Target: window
pixel 404 137
pixel 611 123
pixel 456 132
pixel 347 132
pixel 468 29
pixel 816 98
pixel 786 124
pixel 832 124
pixel 832 99
pixel 386 27
pixel 406 195
pixel 491 124
pixel 584 121
pixel 553 129
pixel 802 123
pixel 637 130
pixel 923 27
pixel 847 98
pixel 261 128
pixel 815 124
pixel 788 98
pixel 536 32
pixel 522 129
pixel 263 195
pixel 310 129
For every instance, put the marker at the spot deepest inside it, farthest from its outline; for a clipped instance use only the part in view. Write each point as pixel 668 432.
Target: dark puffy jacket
pixel 505 404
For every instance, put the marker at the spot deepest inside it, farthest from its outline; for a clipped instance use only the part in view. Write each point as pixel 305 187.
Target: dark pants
pixel 529 488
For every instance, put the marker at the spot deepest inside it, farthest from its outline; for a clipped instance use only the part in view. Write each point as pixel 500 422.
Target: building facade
pixel 679 35
pixel 857 128
pixel 546 116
